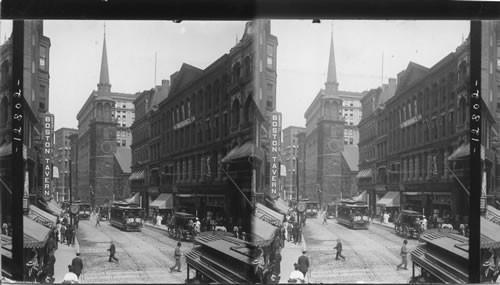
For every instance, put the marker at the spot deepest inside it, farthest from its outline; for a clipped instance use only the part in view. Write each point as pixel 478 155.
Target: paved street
pixel 371 255
pixel 144 257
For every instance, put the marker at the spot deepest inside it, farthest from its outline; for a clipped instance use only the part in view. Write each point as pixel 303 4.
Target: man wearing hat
pixel 303 263
pixel 338 247
pixel 77 265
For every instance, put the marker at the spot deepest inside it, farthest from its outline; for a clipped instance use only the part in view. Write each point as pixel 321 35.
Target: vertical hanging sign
pixel 48 130
pixel 275 138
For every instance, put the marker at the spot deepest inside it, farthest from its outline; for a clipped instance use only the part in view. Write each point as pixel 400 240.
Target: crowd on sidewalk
pixel 41 261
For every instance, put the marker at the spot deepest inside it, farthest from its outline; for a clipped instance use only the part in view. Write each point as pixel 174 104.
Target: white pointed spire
pixel 331 77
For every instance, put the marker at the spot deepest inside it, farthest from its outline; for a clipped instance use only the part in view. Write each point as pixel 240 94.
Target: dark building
pixel 100 133
pixel 420 159
pixel 201 145
pixel 373 104
pixel 289 155
pixel 62 158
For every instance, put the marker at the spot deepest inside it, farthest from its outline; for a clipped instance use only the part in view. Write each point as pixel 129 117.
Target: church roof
pixel 104 76
pixel 332 69
pixel 351 156
pixel 123 156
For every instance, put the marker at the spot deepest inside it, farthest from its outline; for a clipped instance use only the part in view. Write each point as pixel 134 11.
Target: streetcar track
pixel 381 260
pixel 147 266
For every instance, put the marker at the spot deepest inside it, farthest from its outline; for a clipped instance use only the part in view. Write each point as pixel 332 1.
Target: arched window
pixel 248 110
pixel 462 72
pixel 216 93
pixel 208 97
pixel 236 72
pixel 235 113
pixel 4 111
pixel 463 110
pixel 247 63
pixel 188 108
pixel 200 102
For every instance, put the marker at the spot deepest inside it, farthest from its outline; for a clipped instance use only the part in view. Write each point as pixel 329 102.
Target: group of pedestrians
pixel 292 231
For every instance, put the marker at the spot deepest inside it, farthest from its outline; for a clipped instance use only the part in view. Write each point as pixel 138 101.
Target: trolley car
pixel 126 216
pixel 353 214
pixel 84 212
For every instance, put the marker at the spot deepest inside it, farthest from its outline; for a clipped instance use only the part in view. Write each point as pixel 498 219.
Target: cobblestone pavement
pixel 371 255
pixel 144 257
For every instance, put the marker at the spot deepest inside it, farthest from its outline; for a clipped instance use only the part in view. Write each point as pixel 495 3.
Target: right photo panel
pixel 490 192
pixel 374 152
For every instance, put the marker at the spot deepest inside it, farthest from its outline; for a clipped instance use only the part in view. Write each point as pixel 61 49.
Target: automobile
pixel 179 227
pixel 406 224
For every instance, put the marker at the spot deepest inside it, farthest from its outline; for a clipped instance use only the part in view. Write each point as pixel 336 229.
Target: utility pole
pixel 70 193
pixel 297 180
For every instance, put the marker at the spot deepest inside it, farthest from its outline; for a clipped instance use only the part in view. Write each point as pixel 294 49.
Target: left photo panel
pixel 138 158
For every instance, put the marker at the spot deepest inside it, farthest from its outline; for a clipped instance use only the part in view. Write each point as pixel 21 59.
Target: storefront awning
pixel 134 199
pixel 248 149
pixel 6 246
pixel 361 197
pixel 463 152
pixel 262 232
pixel 5 149
pixel 137 175
pixel 40 216
pixel 268 215
pixel 35 235
pixel 390 199
pixel 52 207
pixel 490 234
pixel 164 201
pixel 364 173
pixel 281 205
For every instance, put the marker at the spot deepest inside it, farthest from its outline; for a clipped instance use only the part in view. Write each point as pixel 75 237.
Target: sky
pixel 303 52
pixel 76 50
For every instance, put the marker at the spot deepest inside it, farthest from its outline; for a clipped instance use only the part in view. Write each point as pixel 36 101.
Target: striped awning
pixel 40 216
pixel 490 234
pixel 364 173
pixel 137 175
pixel 35 235
pixel 390 199
pixel 463 152
pixel 134 199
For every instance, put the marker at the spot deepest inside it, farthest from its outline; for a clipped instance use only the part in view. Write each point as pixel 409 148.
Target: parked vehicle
pixel 406 225
pixel 180 227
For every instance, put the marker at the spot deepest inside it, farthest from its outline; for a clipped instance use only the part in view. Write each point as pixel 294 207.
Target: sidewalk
pixel 387 225
pixel 150 224
pixel 289 255
pixel 64 255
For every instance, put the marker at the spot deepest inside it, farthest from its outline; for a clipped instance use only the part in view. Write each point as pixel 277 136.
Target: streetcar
pixel 353 214
pixel 126 216
pixel 312 209
pixel 84 212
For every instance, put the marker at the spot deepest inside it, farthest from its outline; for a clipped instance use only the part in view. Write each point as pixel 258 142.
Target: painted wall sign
pixel 47 139
pixel 275 138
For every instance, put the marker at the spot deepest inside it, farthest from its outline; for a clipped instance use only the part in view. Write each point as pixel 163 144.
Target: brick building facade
pixel 201 145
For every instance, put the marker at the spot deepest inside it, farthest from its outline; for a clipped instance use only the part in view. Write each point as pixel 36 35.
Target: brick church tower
pixel 324 141
pixel 102 130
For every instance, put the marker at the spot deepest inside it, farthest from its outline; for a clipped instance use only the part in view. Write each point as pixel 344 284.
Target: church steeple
pixel 104 85
pixel 331 84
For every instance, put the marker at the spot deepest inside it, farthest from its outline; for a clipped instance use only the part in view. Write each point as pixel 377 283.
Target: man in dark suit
pixel 112 251
pixel 338 247
pixel 77 265
pixel 303 263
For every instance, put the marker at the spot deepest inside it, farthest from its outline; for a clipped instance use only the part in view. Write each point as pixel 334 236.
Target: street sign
pixel 74 209
pixel 301 207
